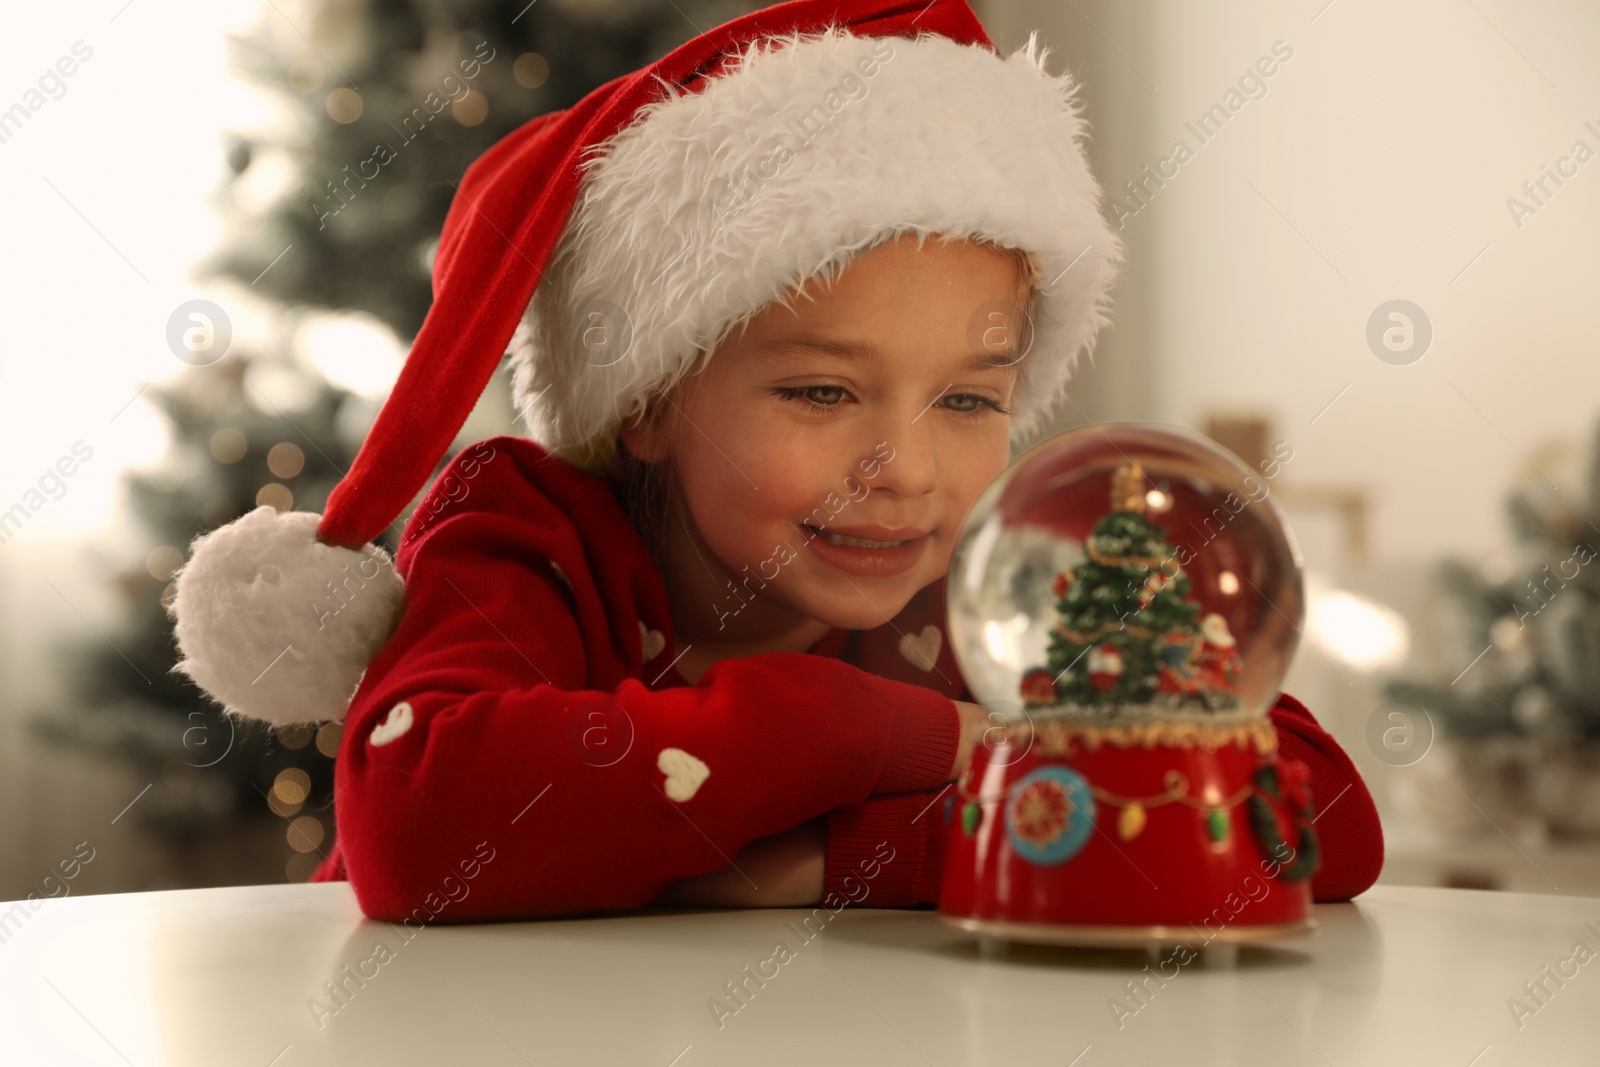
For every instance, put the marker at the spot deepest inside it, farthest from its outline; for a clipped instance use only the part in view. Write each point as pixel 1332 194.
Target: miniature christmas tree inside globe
pixel 1126 572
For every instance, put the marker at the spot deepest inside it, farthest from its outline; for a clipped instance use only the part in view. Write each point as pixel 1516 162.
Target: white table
pixel 224 977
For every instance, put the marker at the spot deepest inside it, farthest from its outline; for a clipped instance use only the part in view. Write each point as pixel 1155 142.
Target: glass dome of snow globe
pixel 1126 572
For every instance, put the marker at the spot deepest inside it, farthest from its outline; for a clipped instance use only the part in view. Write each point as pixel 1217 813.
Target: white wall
pixel 1377 166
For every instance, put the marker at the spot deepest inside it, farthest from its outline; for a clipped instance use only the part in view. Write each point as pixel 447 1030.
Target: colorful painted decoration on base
pixel 1217 825
pixel 1131 821
pixel 1050 815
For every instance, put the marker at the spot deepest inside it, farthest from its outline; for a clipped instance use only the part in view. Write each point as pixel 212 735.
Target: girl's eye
pixel 981 405
pixel 823 399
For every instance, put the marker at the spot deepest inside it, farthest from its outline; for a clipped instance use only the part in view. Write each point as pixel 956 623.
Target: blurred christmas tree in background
pixel 1532 638
pixel 333 213
pixel 1522 718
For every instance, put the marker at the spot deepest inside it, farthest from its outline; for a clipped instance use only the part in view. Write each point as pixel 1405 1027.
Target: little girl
pixel 779 307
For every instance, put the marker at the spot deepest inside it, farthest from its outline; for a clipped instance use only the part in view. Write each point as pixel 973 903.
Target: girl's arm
pixel 887 852
pixel 786 869
pixel 481 778
pixel 1346 819
pixel 890 848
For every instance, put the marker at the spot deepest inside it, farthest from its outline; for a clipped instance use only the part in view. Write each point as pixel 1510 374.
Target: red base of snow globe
pixel 1130 835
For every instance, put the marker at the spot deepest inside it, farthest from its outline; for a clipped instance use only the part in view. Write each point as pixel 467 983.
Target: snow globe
pixel 1125 600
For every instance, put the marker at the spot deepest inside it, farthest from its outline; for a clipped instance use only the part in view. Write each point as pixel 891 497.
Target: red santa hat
pixel 663 209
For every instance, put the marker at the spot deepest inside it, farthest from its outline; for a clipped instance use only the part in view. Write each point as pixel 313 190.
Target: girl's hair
pixel 651 493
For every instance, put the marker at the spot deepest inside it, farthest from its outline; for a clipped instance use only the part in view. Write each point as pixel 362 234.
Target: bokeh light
pixel 228 445
pixel 344 105
pixel 354 351
pixel 286 459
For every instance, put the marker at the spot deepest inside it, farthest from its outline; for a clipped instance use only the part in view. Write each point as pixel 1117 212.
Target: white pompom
pixel 276 625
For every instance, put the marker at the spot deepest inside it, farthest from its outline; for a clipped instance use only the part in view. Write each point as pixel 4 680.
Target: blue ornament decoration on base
pixel 1050 815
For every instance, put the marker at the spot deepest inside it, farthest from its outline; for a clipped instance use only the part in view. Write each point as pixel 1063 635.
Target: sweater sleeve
pixel 904 833
pixel 1345 817
pixel 479 778
pixel 906 825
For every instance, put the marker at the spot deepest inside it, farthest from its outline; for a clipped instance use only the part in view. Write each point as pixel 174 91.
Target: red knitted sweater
pixel 512 753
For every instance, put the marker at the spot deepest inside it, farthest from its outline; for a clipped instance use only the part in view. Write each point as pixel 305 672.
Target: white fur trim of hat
pixel 808 150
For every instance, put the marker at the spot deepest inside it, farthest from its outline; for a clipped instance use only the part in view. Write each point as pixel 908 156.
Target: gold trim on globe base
pixel 1057 737
pixel 1107 936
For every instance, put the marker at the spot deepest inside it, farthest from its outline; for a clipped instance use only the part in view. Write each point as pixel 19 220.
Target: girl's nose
pixel 906 450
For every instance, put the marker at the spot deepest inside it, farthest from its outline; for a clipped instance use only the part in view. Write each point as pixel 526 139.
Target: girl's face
pixel 876 410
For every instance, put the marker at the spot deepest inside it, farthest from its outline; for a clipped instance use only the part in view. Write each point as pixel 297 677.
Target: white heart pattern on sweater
pixel 685 773
pixel 651 642
pixel 922 650
pixel 394 724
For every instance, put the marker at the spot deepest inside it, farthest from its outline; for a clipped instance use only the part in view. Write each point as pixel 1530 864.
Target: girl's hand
pixel 786 870
pixel 976 720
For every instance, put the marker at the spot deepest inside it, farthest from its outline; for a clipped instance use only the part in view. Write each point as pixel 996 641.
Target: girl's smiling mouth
pixel 888 552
